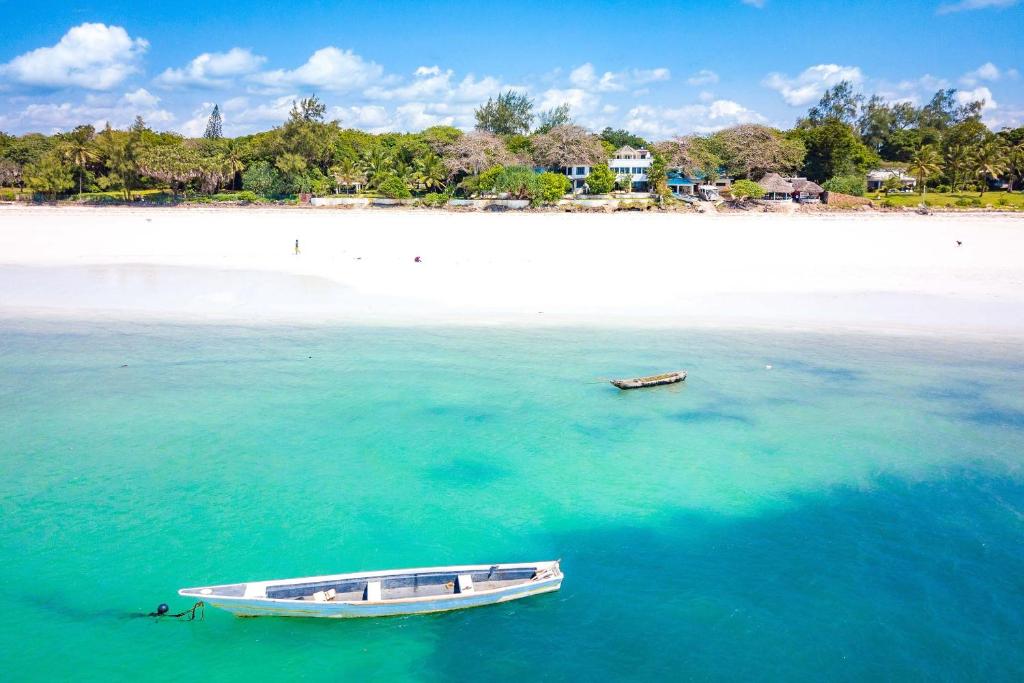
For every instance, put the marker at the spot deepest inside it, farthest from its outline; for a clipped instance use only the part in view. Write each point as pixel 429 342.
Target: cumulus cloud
pixel 810 84
pixel 664 122
pixel 967 5
pixel 979 94
pixel 430 82
pixel 586 77
pixel 328 68
pixel 703 77
pixel 91 56
pixel 213 69
pixel 97 110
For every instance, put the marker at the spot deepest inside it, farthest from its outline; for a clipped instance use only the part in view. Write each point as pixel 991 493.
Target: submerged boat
pixel 650 380
pixel 383 593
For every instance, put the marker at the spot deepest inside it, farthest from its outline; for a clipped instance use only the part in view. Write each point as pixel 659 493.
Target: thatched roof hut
pixel 805 186
pixel 776 187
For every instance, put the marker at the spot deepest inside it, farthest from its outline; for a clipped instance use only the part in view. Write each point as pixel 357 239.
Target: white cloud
pixel 97 110
pixel 754 3
pixel 980 93
pixel 273 112
pixel 213 69
pixel 585 76
pixel 328 68
pixel 703 77
pixel 579 100
pixel 966 5
pixel 810 84
pixel 430 82
pixel 91 56
pixel 664 122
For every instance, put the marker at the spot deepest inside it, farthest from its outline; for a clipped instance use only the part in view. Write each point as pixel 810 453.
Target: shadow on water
pixel 711 414
pixel 828 373
pixel 903 581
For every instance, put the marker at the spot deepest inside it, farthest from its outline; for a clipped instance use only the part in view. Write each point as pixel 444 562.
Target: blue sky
pixel 657 68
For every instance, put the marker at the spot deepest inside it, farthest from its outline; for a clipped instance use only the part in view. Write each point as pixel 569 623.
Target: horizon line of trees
pixel 943 143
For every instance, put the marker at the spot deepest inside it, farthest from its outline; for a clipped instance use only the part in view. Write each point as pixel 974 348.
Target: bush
pixel 263 179
pixel 244 197
pixel 744 189
pixel 846 184
pixel 968 202
pixel 551 187
pixel 889 204
pixel 519 182
pixel 394 187
pixel 1003 200
pixel 486 181
pixel 941 189
pixel 601 179
pixel 435 199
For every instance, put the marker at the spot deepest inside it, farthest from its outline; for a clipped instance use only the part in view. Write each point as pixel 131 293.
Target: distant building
pixel 776 188
pixel 628 164
pixel 805 191
pixel 876 179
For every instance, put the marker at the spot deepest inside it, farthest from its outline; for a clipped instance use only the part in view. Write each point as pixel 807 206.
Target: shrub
pixel 435 199
pixel 941 189
pixel 519 182
pixel 486 181
pixel 968 202
pixel 889 204
pixel 744 189
pixel 394 187
pixel 846 184
pixel 601 179
pixel 263 179
pixel 1003 200
pixel 551 187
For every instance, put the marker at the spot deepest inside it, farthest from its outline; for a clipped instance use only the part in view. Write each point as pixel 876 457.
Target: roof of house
pixel 805 185
pixel 773 182
pixel 886 173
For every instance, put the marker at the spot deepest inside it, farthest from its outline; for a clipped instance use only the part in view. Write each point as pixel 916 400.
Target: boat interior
pixel 399 586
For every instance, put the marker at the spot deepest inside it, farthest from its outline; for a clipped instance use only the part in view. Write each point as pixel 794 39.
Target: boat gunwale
pixel 213 598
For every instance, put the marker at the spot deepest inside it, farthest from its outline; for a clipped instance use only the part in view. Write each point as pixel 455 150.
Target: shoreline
pixel 872 272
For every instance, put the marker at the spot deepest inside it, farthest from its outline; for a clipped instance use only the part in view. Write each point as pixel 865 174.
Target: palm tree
pixel 233 163
pixel 990 162
pixel 958 158
pixel 430 172
pixel 925 162
pixel 376 165
pixel 1016 162
pixel 348 174
pixel 80 151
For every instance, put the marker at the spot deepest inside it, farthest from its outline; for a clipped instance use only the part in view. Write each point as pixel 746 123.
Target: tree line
pixel 943 143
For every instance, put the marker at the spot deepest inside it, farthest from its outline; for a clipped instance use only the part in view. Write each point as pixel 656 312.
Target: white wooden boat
pixel 650 381
pixel 383 593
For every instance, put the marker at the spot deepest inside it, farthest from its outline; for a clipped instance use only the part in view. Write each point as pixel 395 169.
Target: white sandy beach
pixel 850 271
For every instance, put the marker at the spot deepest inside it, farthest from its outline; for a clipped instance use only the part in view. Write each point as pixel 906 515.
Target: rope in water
pixel 161 611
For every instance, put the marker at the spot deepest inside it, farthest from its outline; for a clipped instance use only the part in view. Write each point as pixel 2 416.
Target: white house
pixel 876 179
pixel 627 164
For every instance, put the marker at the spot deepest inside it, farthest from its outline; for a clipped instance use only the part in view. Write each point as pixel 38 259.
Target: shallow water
pixel 856 511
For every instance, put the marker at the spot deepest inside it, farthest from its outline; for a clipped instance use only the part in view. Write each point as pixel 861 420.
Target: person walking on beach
pixel 297 252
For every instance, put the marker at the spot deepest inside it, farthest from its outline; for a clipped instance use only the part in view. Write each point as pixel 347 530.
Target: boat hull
pixel 384 608
pixel 383 594
pixel 655 381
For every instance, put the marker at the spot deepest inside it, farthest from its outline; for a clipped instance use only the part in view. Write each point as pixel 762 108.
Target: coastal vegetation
pixel 518 153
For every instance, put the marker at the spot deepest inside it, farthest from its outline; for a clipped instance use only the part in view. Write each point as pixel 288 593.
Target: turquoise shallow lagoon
pixel 855 512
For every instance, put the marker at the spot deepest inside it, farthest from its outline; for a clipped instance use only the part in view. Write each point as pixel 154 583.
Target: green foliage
pixel 435 199
pixel 551 187
pixel 49 176
pixel 487 180
pixel 601 179
pixel 968 202
pixel 833 148
pixel 520 145
pixel 262 179
pixel 657 177
pixel 510 114
pixel 746 189
pixel 556 116
pixel 619 137
pixel 394 187
pixel 849 184
pixel 519 182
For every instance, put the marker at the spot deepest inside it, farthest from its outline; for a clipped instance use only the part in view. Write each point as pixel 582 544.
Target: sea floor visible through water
pixel 855 511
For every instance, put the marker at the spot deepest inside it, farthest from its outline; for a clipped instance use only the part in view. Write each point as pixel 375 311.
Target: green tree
pixel 510 114
pixel 990 162
pixel 556 116
pixel 262 178
pixel 657 176
pixel 619 137
pixel 394 187
pixel 746 189
pixel 839 103
pixel 855 185
pixel 430 173
pixel 956 164
pixel 376 165
pixel 175 165
pixel 834 149
pixel 601 179
pixel 80 150
pixel 518 182
pixel 49 176
pixel 551 187
pixel 215 125
pixel 347 173
pixel 925 162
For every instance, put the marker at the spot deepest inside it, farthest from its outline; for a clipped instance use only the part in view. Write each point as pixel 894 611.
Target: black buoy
pixel 162 609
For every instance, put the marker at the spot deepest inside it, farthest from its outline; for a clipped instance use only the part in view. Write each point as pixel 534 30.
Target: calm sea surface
pixel 855 512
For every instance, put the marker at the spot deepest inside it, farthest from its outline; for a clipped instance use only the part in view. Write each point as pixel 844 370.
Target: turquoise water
pixel 856 511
